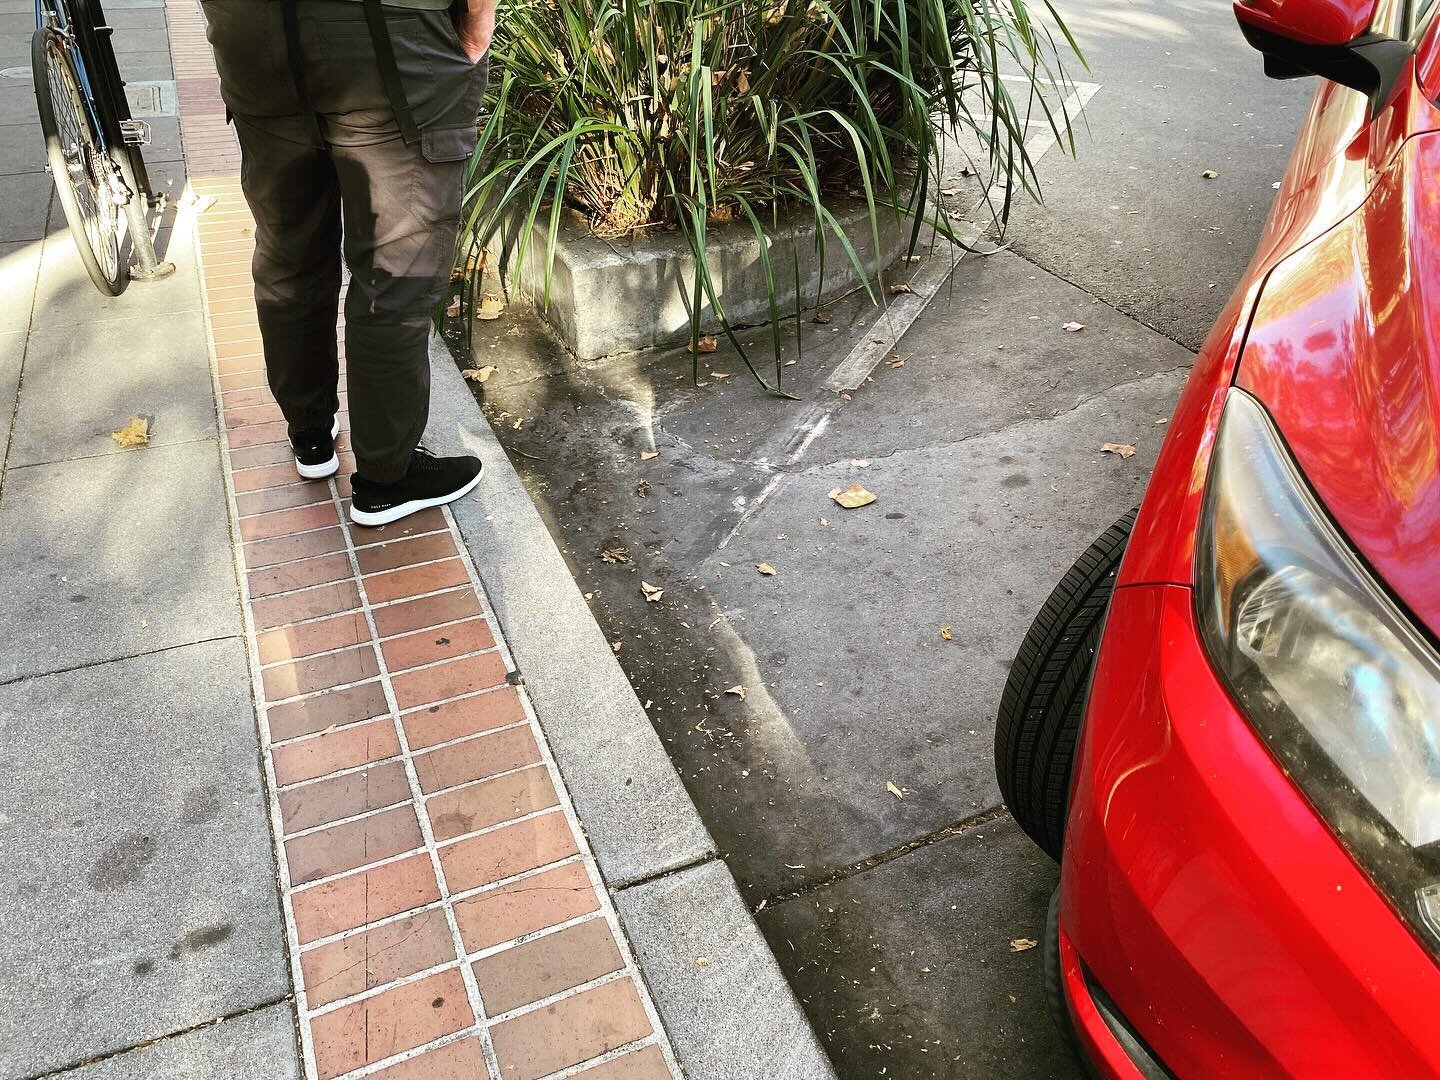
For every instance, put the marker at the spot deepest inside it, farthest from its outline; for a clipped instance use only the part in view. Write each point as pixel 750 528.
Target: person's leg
pixel 295 198
pixel 400 215
pixel 291 188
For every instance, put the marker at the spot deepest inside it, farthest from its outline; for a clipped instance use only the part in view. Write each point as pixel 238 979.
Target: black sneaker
pixel 431 481
pixel 314 451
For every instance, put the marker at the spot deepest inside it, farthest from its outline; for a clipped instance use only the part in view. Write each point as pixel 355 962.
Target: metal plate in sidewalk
pixel 154 97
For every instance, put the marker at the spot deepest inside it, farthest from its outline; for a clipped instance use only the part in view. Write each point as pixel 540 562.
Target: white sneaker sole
pixel 414 506
pixel 326 469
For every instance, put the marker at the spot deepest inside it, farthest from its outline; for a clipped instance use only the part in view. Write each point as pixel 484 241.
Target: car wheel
pixel 1038 726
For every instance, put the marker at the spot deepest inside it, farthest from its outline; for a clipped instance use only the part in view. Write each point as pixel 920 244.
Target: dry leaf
pixel 900 287
pixel 719 374
pixel 651 592
pixel 1023 944
pixel 824 523
pixel 453 308
pixel 706 344
pixel 480 374
pixel 821 316
pixel 135 433
pixel 791 363
pixel 896 361
pixel 616 646
pixel 853 497
pixel 1073 327
pixel 1209 174
pixel 649 455
pixel 491 307
pixel 615 555
pixel 945 634
pixel 738 691
pixel 765 568
pixel 893 790
pixel 1125 450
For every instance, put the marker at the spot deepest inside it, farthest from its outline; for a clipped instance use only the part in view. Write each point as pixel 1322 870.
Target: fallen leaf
pixel 738 691
pixel 853 497
pixel 945 634
pixel 491 307
pixel 615 555
pixel 1073 327
pixel 791 363
pixel 821 316
pixel 706 344
pixel 649 455
pixel 616 646
pixel 893 790
pixel 1023 944
pixel 1209 174
pixel 896 361
pixel 453 308
pixel 135 433
pixel 900 287
pixel 480 374
pixel 651 592
pixel 719 374
pixel 824 523
pixel 765 568
pixel 1125 450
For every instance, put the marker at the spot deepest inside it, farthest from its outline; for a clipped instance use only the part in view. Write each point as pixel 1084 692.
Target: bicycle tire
pixel 73 148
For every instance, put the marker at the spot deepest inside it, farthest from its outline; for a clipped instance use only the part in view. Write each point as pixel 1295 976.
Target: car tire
pixel 1038 726
pixel 1055 1002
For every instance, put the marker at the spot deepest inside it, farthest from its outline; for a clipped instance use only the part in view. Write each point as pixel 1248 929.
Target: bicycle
pixel 93 144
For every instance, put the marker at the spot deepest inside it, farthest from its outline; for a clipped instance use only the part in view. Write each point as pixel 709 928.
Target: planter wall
pixel 614 296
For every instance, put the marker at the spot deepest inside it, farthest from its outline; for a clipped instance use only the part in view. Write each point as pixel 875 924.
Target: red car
pixel 1226 721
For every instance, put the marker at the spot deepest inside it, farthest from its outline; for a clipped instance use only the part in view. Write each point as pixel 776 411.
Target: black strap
pixel 389 72
pixel 291 17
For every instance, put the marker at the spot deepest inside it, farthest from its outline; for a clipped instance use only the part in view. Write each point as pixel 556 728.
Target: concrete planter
pixel 614 296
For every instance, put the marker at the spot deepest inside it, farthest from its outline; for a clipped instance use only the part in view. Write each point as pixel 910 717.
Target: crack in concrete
pixel 984 817
pixel 64 1069
pixel 800 470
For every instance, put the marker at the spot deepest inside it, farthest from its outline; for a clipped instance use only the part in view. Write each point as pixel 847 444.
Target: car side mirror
pixel 1329 38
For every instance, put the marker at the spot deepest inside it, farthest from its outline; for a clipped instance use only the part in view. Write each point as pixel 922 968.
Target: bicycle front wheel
pixel 82 171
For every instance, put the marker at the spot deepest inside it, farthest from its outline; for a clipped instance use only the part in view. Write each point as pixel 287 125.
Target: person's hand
pixel 476 26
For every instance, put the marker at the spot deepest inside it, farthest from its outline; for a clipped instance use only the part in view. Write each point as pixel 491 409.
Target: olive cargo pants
pixel 341 173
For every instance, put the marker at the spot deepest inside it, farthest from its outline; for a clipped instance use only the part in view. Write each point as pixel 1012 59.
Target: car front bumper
pixel 1203 898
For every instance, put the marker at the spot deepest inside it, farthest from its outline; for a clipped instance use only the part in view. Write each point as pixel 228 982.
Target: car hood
pixel 1344 350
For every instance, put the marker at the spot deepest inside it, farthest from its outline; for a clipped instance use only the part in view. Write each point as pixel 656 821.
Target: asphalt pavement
pixel 837 744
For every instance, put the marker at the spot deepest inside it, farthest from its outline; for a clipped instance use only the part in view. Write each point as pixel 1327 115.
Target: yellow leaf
pixel 765 568
pixel 490 308
pixel 1125 450
pixel 945 634
pixel 480 374
pixel 135 433
pixel 853 497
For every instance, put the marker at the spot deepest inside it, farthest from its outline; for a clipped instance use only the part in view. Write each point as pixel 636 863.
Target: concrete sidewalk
pixel 288 807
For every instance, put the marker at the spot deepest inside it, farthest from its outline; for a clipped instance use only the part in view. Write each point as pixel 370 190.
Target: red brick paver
pixel 445 916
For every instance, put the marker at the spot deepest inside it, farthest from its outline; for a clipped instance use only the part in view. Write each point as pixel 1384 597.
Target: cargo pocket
pixel 448 143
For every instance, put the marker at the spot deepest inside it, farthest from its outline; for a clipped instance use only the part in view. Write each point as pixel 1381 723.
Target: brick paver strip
pixel 445 917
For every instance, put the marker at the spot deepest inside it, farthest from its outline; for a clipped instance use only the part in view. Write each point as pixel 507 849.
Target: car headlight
pixel 1336 679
